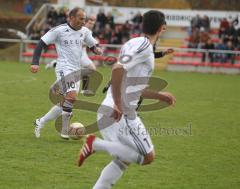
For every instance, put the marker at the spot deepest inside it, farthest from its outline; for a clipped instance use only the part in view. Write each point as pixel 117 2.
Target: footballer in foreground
pixel 118 110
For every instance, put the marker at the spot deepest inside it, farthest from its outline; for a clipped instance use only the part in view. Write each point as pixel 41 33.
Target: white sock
pixel 53 114
pixel 66 116
pixel 110 175
pixel 118 150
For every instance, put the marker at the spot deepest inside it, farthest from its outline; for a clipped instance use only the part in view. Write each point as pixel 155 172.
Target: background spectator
pixel 230 33
pixel 203 38
pixel 220 57
pixel 36 31
pixel 52 17
pixel 137 22
pixel 230 57
pixel 101 19
pixel 224 25
pixel 110 20
pixel 28 7
pixel 208 46
pixel 196 22
pixel 107 33
pixel 62 17
pixel 237 46
pixel 194 38
pixel 205 23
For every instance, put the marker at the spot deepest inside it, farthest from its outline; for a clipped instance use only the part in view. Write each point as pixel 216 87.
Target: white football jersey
pixel 137 58
pixel 69 44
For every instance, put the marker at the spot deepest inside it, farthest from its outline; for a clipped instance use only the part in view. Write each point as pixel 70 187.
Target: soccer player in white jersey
pixel 124 135
pixel 86 62
pixel 68 39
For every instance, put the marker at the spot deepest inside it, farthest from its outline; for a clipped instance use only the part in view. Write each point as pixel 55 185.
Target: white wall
pixel 72 3
pixel 173 17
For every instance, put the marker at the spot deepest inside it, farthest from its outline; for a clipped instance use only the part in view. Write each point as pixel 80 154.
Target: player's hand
pixel 34 68
pixel 98 51
pixel 167 97
pixel 168 51
pixel 117 113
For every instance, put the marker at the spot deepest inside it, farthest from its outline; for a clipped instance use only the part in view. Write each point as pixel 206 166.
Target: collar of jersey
pixel 71 27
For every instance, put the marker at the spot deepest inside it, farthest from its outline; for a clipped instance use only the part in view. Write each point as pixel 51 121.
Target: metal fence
pixel 24 43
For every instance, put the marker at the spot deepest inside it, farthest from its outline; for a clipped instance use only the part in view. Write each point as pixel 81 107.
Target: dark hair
pixel 152 20
pixel 74 11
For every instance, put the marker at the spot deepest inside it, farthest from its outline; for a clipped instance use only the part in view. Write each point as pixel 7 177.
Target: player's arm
pixel 45 40
pixel 96 49
pixel 92 43
pixel 116 83
pixel 162 96
pixel 36 56
pixel 163 53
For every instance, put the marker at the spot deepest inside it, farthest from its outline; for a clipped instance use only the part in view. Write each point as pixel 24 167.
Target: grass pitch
pixel 197 142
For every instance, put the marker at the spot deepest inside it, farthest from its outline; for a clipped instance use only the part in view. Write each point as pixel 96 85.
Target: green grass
pixel 208 158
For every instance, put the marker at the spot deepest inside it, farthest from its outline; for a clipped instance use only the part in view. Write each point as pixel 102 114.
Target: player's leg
pixel 85 79
pixel 137 137
pixel 113 148
pixel 122 153
pixel 133 135
pixel 67 106
pixel 87 63
pixel 110 174
pixel 70 89
pixel 110 144
pixel 57 110
pixel 52 114
pixel 85 82
pixel 117 149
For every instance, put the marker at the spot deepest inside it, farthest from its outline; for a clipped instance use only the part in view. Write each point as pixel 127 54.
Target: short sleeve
pixel 50 37
pixel 131 55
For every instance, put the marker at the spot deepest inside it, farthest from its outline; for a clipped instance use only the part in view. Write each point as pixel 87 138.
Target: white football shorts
pixel 127 131
pixel 67 81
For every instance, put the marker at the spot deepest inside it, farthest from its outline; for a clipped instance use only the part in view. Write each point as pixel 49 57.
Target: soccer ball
pixel 76 131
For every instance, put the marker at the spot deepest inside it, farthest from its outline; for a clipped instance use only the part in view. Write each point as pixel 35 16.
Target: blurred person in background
pixel 230 57
pixel 194 39
pixel 28 9
pixel 110 20
pixel 237 46
pixel 107 34
pixel 62 16
pixel 203 38
pixel 205 23
pixel 126 28
pixel 52 17
pixel 230 33
pixel 137 23
pixel 101 19
pixel 208 46
pixel 220 57
pixel 224 25
pixel 196 22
